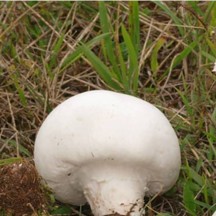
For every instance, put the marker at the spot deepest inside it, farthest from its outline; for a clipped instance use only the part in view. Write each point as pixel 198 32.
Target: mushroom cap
pixel 102 130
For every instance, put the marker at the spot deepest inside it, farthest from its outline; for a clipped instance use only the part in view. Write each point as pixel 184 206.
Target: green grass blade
pixel 100 67
pixel 187 50
pixel 195 176
pixel 21 93
pixel 8 161
pixel 133 71
pixel 186 102
pixel 205 205
pixel 134 24
pixel 210 14
pixel 55 51
pixel 212 46
pixel 62 210
pixel 170 13
pixel 188 198
pixel 24 151
pixel 58 44
pixel 208 56
pixel 123 67
pixel 196 8
pixel 108 45
pixel 154 56
pixel 78 52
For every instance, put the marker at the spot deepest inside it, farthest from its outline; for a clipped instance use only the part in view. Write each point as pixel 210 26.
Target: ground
pixel 163 52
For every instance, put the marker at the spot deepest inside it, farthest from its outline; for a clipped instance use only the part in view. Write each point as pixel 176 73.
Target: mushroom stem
pixel 114 191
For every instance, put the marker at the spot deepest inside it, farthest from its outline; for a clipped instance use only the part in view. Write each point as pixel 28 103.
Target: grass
pixel 162 52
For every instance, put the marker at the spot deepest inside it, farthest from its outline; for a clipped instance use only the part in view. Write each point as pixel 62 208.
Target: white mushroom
pixel 109 149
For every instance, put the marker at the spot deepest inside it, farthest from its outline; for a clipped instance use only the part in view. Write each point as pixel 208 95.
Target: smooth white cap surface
pixel 109 149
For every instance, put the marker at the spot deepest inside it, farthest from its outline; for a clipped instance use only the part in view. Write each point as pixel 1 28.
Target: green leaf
pixel 55 51
pixel 194 175
pixel 133 71
pixel 209 15
pixel 205 205
pixel 100 67
pixel 210 57
pixel 212 46
pixel 8 161
pixel 188 198
pixel 61 210
pixel 187 50
pixel 108 45
pixel 58 44
pixel 196 7
pixel 79 52
pixel 123 67
pixel 24 151
pixel 186 102
pixel 170 13
pixel 134 24
pixel 21 93
pixel 154 56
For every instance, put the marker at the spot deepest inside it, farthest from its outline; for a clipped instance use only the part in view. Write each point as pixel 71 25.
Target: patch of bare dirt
pixel 20 190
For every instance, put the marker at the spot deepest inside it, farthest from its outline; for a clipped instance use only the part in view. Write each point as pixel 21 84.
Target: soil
pixel 20 190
